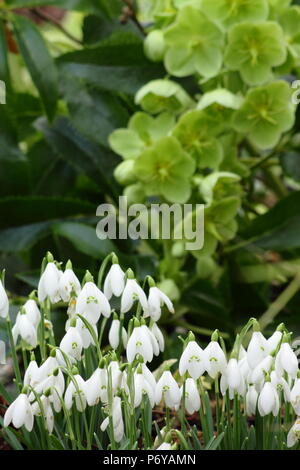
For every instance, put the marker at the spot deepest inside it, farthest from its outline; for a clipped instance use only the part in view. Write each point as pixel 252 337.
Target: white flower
pixel 294 434
pixel 251 400
pixel 149 376
pixel 20 413
pixel 158 336
pixel 258 374
pixel 156 300
pixel 192 360
pixel 71 344
pixel 76 393
pixel 84 332
pixel 139 343
pixel 232 379
pixel 46 411
pixel 46 369
pixel 116 375
pixel 117 419
pixel 114 334
pixel 142 387
pixel 274 341
pixel 54 384
pixel 49 284
pixel 286 360
pixel 164 446
pixel 153 340
pixel 167 389
pixel 215 360
pixel 114 283
pixel 280 384
pixel 257 349
pixel 4 304
pixel 24 328
pixel 93 386
pixel 68 283
pixel 91 303
pixel 268 401
pixel 192 398
pixel 131 293
pixel 32 311
pixel 295 397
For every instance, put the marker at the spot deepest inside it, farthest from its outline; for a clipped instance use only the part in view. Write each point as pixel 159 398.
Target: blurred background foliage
pixel 72 68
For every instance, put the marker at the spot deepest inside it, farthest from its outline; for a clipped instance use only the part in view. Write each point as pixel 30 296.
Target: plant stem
pixel 14 353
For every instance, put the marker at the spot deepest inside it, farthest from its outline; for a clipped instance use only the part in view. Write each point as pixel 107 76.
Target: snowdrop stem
pixel 168 418
pixel 46 306
pixel 103 268
pixel 102 328
pixel 42 335
pixel 183 407
pixel 13 352
pixel 67 416
pixel 236 421
pixel 217 398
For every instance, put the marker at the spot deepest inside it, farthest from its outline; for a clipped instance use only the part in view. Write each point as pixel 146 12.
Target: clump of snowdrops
pixel 82 394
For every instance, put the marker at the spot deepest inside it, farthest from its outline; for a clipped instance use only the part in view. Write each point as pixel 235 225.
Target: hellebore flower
pixel 192 401
pixel 192 360
pixel 20 413
pixel 91 303
pixel 114 283
pixel 194 45
pixel 229 12
pixel 253 49
pixel 168 390
pixel 166 170
pixel 49 284
pixel 4 304
pixel 156 300
pixel 266 113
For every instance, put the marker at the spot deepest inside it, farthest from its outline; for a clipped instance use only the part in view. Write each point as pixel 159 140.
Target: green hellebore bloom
pixel 253 49
pixel 143 130
pixel 194 45
pixel 163 95
pixel 154 45
pixel 166 169
pixel 197 131
pixel 222 97
pixel 229 12
pixel 277 7
pixel 218 185
pixel 267 112
pixel 290 22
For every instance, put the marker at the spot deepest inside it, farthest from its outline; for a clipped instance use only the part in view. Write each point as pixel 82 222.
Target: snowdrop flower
pixel 49 284
pixel 158 336
pixel 286 360
pixel 32 311
pixel 192 359
pixel 142 387
pixel 30 377
pixel 294 434
pixel 47 368
pixel 280 384
pixel 24 328
pixel 257 349
pixel 156 300
pixel 268 400
pixel 192 401
pixel 94 386
pixel 232 379
pixel 164 446
pixel 258 374
pixel 295 396
pixel 139 343
pixel 4 304
pixel 91 303
pixel 54 386
pixel 68 283
pixel 71 344
pixel 84 332
pixel 251 400
pixel 131 293
pixel 114 283
pixel 76 392
pixel 167 389
pixel 114 371
pixel 274 340
pixel 114 334
pixel 215 360
pixel 46 411
pixel 117 419
pixel 20 413
pixel 152 338
pixel 147 374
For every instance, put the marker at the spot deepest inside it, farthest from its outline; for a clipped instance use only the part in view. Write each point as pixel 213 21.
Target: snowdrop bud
pixel 215 360
pixel 68 284
pixel 192 398
pixel 131 293
pixel 295 396
pixel 268 401
pixel 234 377
pixel 71 344
pixel 91 303
pixel 286 360
pixel 4 304
pixel 24 328
pixel 20 413
pixel 114 283
pixel 49 284
pixel 76 393
pixel 156 300
pixel 139 343
pixel 251 400
pixel 294 434
pixel 33 312
pixel 257 349
pixel 114 334
pixel 168 390
pixel 192 361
